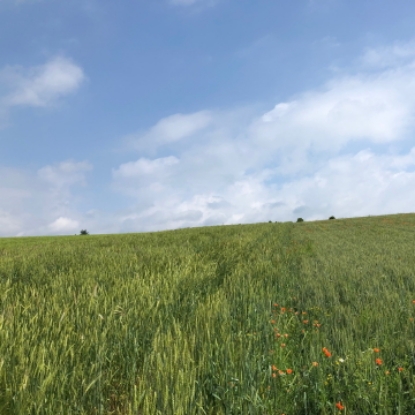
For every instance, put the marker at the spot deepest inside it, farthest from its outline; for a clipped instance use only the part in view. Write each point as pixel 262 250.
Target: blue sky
pixel 146 115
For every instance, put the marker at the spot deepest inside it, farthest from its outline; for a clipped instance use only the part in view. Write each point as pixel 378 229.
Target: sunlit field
pixel 268 319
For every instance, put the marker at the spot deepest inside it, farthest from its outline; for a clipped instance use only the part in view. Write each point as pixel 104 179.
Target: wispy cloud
pixel 389 56
pixel 41 86
pixel 327 42
pixel 183 2
pixel 19 2
pixel 65 174
pixel 191 2
pixel 198 4
pixel 169 130
pixel 144 166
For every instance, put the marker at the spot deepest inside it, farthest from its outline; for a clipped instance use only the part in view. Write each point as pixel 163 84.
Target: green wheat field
pixel 267 319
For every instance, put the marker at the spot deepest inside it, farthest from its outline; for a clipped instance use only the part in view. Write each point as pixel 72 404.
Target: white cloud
pixel 357 185
pixel 376 108
pixel 41 86
pixel 9 224
pixel 172 129
pixel 58 183
pixel 191 2
pixel 43 203
pixel 145 166
pixel 285 162
pixel 345 186
pixel 65 174
pixel 399 53
pixel 64 225
pixel 179 126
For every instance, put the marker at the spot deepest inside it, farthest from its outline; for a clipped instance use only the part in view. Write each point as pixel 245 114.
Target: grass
pixel 214 321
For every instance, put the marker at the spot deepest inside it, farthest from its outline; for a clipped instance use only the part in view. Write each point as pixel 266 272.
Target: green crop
pixel 267 319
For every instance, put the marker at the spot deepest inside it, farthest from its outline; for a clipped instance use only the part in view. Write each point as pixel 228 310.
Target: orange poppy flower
pixel 339 406
pixel 400 369
pixel 274 375
pixel 283 309
pixel 376 350
pixel 272 321
pixel 305 321
pixel 326 352
pixel 379 361
pixel 315 364
pixel 289 371
pixel 274 368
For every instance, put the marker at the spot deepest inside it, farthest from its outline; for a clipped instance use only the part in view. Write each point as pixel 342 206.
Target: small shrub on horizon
pixel 332 217
pixel 84 232
pixel 300 220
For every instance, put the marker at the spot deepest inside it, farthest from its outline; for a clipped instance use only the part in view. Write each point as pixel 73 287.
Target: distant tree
pixel 270 221
pixel 84 232
pixel 332 217
pixel 300 220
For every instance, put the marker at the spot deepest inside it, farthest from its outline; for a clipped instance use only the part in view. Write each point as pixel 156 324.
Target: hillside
pixel 271 318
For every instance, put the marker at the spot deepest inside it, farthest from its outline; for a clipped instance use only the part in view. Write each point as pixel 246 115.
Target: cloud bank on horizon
pixel 343 144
